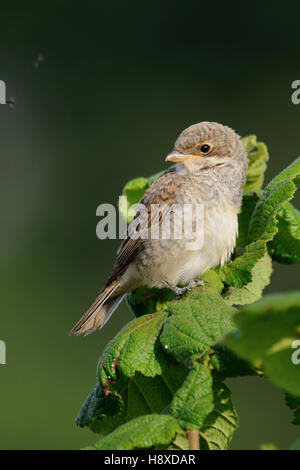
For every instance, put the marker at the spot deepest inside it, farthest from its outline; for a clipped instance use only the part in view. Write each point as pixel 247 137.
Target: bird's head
pixel 207 145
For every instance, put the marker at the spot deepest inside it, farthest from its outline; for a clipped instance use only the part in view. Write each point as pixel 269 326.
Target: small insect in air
pixel 11 102
pixel 38 61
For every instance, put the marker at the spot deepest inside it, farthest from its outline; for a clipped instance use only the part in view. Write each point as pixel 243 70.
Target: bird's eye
pixel 205 148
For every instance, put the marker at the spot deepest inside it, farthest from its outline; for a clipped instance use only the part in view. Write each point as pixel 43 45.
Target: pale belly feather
pixel 170 260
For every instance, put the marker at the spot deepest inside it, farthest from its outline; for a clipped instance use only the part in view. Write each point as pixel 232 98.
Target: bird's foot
pixel 183 290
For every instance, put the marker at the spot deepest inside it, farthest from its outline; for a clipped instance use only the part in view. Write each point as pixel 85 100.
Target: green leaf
pixel 226 363
pixel 266 332
pixel 197 322
pixel 280 370
pixel 248 206
pixel 219 426
pixel 145 300
pixel 134 349
pixel 194 400
pixel 258 157
pixel 213 280
pixel 294 404
pixel 179 443
pixel 249 142
pixel 262 226
pixel 128 398
pixel 239 272
pixel 252 291
pixel 263 223
pixel 97 405
pixel 140 395
pixel 137 348
pixel 143 432
pixel 285 247
pixel 291 401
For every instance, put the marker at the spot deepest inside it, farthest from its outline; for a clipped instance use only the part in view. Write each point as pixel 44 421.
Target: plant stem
pixel 193 439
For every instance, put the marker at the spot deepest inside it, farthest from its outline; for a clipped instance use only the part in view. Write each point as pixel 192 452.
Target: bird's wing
pixel 162 192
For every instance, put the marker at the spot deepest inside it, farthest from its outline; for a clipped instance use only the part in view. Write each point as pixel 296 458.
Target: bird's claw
pixel 183 290
pixel 196 283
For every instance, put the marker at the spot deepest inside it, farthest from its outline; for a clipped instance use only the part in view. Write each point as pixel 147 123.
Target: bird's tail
pixel 99 312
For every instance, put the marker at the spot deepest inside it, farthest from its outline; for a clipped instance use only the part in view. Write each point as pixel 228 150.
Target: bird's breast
pixel 209 244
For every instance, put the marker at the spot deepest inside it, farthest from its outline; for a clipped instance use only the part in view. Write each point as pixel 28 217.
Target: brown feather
pixel 166 184
pixel 99 312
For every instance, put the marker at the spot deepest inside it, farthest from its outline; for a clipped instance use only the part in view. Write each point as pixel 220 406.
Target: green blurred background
pixel 119 82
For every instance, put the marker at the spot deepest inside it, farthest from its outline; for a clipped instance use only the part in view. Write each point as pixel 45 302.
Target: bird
pixel 209 170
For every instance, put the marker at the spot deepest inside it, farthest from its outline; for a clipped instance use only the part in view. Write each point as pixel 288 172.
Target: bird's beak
pixel 178 157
